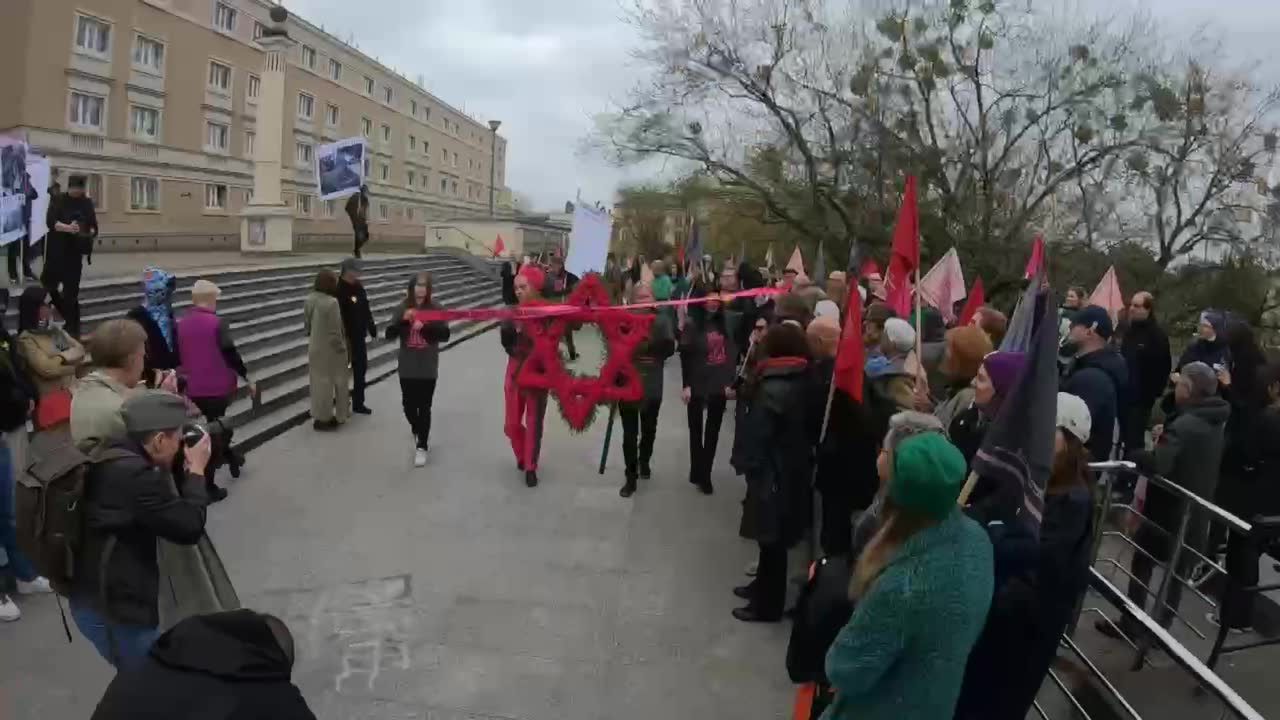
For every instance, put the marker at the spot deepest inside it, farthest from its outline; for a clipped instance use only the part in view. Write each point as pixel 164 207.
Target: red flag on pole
pixel 1035 263
pixel 906 251
pixel 499 247
pixel 869 267
pixel 849 356
pixel 977 298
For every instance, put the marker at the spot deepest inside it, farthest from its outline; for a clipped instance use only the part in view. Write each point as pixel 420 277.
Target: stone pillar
pixel 266 224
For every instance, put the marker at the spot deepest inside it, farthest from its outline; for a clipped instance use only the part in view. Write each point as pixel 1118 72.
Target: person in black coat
pixel 1098 375
pixel 559 284
pixel 778 465
pixel 357 320
pixel 708 369
pixel 357 209
pixel 1146 353
pixel 234 665
pixel 73 226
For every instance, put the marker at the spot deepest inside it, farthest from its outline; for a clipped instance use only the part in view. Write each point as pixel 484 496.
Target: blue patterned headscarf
pixel 157 287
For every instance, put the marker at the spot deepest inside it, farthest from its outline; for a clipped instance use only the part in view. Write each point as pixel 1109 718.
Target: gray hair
pixel 1201 379
pixel 907 424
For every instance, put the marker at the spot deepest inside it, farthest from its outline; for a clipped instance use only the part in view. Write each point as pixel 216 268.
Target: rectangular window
pixel 148 55
pixel 254 87
pixel 426 114
pixel 413 143
pixel 144 194
pixel 383 211
pixel 248 196
pixel 216 135
pixel 454 185
pixel 93 188
pixel 303 153
pixel 444 186
pixel 424 182
pixel 88 111
pixel 93 36
pixel 455 158
pixel 308 57
pixel 408 213
pixel 444 156
pixel 388 94
pixel 304 204
pixel 386 133
pixel 328 208
pixel 426 147
pixel 219 76
pixel 367 172
pixel 249 137
pixel 413 108
pixel 258 30
pixel 215 197
pixel 368 86
pixel 366 127
pixel 384 171
pixel 335 70
pixel 306 106
pixel 224 17
pixel 144 122
pixel 410 177
pixel 332 115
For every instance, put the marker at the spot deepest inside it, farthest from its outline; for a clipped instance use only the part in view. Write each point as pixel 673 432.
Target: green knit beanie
pixel 928 472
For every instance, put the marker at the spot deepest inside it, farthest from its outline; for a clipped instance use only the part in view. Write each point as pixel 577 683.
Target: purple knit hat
pixel 1003 368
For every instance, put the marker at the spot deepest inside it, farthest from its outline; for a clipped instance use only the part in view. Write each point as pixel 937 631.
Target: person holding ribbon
pixel 419 359
pixel 525 409
pixel 708 365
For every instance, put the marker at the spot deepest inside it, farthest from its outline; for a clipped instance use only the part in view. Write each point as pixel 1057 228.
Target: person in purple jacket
pixel 211 364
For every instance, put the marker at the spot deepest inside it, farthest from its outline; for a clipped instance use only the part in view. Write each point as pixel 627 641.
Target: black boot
pixel 531 478
pixel 629 487
pixel 234 462
pixel 645 474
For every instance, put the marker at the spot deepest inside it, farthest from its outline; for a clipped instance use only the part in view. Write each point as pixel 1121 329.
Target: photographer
pixel 130 502
pixel 73 226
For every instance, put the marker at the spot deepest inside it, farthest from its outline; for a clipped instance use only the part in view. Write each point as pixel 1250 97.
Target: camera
pixel 192 433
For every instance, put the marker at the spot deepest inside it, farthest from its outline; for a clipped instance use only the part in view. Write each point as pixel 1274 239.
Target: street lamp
pixel 493 160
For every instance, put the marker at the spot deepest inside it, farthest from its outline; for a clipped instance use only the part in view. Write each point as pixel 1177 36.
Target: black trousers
pixel 568 342
pixel 61 277
pixel 416 395
pixel 1243 553
pixel 216 409
pixel 704 436
pixel 359 368
pixel 639 426
pixel 769 589
pixel 836 532
pixel 16 248
pixel 1165 511
pixel 361 232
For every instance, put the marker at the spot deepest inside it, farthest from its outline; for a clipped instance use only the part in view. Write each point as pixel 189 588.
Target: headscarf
pixel 157 299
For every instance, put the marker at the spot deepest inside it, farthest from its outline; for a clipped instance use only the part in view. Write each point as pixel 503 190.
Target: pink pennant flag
pixel 796 262
pixel 1107 294
pixel 943 286
pixel 1035 263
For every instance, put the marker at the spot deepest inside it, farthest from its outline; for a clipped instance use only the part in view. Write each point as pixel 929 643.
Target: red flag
pixel 1035 263
pixel 906 251
pixel 977 298
pixel 849 356
pixel 499 247
pixel 869 267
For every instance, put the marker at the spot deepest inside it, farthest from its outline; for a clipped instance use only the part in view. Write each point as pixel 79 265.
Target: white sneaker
pixel 419 458
pixel 39 586
pixel 9 609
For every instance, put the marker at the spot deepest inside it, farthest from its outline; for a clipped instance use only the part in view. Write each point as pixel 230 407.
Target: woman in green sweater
pixel 923 587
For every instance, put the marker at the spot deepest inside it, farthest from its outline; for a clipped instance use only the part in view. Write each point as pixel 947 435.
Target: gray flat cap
pixel 1202 379
pixel 350 265
pixel 154 411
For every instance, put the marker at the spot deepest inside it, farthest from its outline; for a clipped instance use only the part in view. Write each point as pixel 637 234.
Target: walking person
pixel 155 315
pixel 708 357
pixel 211 364
pixel 327 354
pixel 1146 353
pixel 73 227
pixel 777 461
pixel 50 354
pixel 418 359
pixel 559 284
pixel 357 321
pixel 525 409
pixel 358 210
pixel 640 419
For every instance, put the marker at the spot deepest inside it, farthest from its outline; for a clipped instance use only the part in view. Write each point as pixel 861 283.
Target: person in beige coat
pixel 52 356
pixel 327 354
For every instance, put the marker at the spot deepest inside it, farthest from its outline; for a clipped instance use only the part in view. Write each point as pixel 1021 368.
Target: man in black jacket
pixel 73 226
pixel 220 666
pixel 358 210
pixel 560 283
pixel 1146 352
pixel 129 503
pixel 357 319
pixel 1098 376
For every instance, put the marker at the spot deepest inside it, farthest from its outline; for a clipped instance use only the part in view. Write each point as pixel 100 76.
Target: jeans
pixel 703 438
pixel 416 395
pixel 19 566
pixel 125 646
pixel 639 426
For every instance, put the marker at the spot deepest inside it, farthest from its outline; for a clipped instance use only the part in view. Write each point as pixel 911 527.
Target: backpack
pixel 49 502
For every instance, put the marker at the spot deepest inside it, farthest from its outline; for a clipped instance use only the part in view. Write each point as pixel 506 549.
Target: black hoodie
pixel 221 666
pixel 1101 379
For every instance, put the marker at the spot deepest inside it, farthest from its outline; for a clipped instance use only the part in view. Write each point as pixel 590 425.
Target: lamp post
pixel 493 160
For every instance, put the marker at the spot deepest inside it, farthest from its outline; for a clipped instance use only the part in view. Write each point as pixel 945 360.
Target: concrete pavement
pixel 454 591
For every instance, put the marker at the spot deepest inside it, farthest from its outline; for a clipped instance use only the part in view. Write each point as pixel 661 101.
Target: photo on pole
pixel 340 168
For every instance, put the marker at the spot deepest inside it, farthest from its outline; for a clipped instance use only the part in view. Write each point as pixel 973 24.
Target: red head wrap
pixel 534 276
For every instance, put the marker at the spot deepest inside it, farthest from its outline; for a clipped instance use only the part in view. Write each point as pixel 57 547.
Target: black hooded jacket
pixel 222 666
pixel 1101 379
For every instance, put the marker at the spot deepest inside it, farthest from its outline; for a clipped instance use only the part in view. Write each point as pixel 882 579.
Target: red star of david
pixel 618 381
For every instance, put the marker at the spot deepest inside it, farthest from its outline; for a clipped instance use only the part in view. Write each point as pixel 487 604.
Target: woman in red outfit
pixel 525 409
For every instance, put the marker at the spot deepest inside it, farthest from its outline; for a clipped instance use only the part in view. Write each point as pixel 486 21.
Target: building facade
pixel 156 100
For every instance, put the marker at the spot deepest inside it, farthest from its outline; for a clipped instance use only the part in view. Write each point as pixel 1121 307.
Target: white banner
pixel 13 175
pixel 589 240
pixel 340 168
pixel 39 171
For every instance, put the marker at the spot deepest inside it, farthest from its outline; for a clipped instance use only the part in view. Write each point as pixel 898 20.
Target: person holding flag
pixel 525 410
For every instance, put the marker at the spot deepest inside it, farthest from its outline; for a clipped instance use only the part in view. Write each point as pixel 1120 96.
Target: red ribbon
pixel 578 313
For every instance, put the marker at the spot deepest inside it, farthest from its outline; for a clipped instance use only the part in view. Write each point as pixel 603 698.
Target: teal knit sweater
pixel 902 655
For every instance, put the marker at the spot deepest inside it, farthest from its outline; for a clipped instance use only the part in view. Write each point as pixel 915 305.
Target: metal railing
pixel 1167 549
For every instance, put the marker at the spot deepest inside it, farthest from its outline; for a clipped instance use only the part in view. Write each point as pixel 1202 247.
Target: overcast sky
pixel 545 67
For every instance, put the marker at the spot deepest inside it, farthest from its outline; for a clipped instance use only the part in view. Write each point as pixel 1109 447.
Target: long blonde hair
pixel 897 526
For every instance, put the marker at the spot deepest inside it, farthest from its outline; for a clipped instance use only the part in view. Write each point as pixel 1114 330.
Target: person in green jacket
pixel 923 587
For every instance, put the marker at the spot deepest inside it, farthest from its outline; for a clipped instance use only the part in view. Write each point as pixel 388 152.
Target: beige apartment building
pixel 156 100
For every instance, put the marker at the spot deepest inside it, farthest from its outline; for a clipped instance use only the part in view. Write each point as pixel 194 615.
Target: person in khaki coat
pixel 51 355
pixel 327 354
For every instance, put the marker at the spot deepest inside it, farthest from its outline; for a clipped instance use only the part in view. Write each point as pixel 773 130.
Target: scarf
pixel 157 300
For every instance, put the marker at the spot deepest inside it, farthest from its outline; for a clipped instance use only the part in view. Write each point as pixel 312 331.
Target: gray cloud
pixel 545 68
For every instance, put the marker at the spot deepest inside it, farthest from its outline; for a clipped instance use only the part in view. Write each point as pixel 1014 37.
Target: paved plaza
pixel 456 592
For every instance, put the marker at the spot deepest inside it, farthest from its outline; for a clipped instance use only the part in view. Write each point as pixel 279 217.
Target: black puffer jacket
pixel 222 666
pixel 777 457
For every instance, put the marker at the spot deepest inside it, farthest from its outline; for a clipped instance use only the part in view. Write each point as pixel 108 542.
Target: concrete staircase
pixel 264 307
